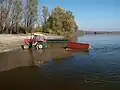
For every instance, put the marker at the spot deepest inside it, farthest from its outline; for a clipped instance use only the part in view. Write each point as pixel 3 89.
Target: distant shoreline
pixel 101 32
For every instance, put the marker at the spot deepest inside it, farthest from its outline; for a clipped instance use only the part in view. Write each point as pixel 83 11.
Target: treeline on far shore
pixel 101 32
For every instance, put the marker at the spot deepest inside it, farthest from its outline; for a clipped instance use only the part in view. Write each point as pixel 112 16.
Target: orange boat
pixel 78 46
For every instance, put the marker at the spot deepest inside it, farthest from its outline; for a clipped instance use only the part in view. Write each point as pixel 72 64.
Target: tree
pixel 10 15
pixel 5 9
pixel 61 22
pixel 45 13
pixel 15 16
pixel 43 17
pixel 18 13
pixel 30 14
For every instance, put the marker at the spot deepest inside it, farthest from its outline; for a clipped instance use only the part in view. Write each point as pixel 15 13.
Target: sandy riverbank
pixel 9 42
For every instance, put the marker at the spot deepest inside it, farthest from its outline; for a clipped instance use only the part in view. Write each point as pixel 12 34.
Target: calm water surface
pixel 97 70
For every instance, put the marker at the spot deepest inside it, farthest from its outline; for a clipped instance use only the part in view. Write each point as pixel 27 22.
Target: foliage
pixel 39 29
pixel 61 22
pixel 30 14
pixel 15 17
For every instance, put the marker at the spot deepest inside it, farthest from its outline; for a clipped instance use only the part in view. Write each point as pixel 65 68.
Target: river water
pixel 98 69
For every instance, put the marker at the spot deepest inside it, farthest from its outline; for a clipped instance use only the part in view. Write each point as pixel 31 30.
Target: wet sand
pixel 20 58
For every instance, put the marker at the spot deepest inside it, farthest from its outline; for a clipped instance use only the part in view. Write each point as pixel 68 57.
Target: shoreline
pixel 9 42
pixel 12 56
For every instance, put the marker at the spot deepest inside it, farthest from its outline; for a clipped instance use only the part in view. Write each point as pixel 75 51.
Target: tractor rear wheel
pixel 39 46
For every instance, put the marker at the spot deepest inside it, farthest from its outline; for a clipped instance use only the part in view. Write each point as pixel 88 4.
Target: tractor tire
pixel 39 46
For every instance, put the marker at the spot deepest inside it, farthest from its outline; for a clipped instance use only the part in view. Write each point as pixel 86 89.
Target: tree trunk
pixel 16 28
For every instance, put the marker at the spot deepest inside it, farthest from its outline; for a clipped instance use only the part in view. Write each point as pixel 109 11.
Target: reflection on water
pixel 31 57
pixel 13 59
pixel 97 70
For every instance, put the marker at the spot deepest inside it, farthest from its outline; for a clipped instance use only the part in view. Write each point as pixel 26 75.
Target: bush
pixel 22 30
pixel 39 29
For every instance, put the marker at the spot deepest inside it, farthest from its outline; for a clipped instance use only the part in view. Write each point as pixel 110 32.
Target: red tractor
pixel 36 40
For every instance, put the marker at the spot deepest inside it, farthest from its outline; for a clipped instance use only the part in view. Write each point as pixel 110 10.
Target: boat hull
pixel 78 46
